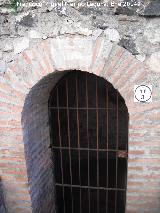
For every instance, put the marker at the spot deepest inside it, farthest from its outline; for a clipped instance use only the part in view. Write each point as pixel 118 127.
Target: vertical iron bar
pixel 116 155
pixel 97 131
pixel 69 141
pixel 60 142
pixel 107 146
pixel 79 154
pixel 127 118
pixel 88 144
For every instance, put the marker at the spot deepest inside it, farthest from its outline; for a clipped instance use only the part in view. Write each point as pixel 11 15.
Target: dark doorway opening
pixel 89 139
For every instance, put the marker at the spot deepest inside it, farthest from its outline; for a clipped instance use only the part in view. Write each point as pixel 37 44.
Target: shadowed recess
pixel 89 139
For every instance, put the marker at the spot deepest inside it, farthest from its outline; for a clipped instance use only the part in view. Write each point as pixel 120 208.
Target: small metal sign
pixel 143 93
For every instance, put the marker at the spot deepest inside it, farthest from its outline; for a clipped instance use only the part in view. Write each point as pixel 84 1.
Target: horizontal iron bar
pixel 86 149
pixel 89 187
pixel 86 108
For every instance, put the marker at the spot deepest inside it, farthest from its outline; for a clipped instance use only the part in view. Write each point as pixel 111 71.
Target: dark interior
pixel 89 138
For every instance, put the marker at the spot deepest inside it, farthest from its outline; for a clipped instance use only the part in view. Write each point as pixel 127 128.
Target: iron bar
pixel 69 142
pixel 78 137
pixel 90 187
pixel 107 146
pixel 86 149
pixel 89 199
pixel 126 160
pixel 97 133
pixel 117 117
pixel 88 108
pixel 60 142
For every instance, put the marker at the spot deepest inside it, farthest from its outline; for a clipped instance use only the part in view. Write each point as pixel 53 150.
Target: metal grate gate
pixel 89 135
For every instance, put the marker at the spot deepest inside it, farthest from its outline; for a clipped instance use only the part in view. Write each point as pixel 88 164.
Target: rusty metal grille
pixel 89 139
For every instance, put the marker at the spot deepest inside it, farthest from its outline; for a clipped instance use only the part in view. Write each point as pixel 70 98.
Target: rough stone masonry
pixel 136 28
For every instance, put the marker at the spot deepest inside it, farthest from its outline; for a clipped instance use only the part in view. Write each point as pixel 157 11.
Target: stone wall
pixel 135 28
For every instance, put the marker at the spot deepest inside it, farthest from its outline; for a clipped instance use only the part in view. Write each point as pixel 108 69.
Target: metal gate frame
pixel 119 153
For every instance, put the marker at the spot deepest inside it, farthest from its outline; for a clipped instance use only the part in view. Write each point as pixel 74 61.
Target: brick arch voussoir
pixel 13 93
pixel 124 71
pixel 30 67
pixel 119 67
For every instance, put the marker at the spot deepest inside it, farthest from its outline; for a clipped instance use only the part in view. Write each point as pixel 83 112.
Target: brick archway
pixel 24 90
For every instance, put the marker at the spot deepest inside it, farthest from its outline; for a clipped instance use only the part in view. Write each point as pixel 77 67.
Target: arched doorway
pixel 89 139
